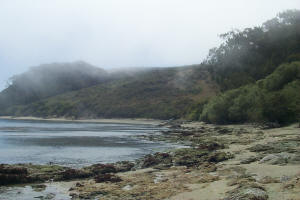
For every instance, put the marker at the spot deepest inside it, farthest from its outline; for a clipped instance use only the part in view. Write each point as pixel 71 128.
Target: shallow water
pixel 73 144
pixel 53 191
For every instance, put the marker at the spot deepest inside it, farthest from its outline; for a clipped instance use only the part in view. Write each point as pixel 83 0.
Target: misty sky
pixel 121 33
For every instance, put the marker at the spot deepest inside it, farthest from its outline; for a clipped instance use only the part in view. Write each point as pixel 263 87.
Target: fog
pixel 117 33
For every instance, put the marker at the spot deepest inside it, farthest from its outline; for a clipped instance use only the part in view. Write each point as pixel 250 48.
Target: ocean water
pixel 74 144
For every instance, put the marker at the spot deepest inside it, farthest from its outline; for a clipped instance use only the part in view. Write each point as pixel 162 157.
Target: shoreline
pixel 144 121
pixel 224 162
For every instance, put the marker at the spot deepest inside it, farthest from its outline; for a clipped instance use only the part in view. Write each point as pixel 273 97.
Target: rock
pixel 190 157
pixel 276 159
pixel 248 192
pixel 207 167
pixel 211 146
pixel 79 184
pixel 6 169
pixel 124 166
pixel 222 130
pixel 287 145
pixel 187 133
pixel 240 181
pixel 102 169
pixel 249 160
pixel 13 175
pixel 47 197
pixel 219 157
pixel 107 178
pixel 261 148
pixel 267 180
pixel 269 125
pixel 70 174
pixel 39 187
pixel 295 159
pixel 161 159
pixel 127 188
pixel 284 179
pixel 208 178
pixel 160 178
pixel 148 161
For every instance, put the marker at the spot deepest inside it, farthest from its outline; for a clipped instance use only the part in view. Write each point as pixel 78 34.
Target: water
pixel 53 191
pixel 73 144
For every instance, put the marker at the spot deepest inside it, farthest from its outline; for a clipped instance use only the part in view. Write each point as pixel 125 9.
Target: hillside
pixel 255 70
pixel 275 99
pixel 251 54
pixel 48 80
pixel 154 93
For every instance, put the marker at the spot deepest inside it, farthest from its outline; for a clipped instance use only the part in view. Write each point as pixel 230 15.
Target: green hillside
pixel 155 93
pixel 253 69
pixel 251 54
pixel 273 99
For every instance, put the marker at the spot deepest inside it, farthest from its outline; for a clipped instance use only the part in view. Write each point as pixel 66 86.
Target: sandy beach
pixel 119 121
pixel 224 163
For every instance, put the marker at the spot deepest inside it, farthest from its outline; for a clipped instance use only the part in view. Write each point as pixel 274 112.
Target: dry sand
pixel 119 121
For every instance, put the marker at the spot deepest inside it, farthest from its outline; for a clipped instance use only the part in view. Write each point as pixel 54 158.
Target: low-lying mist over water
pixel 73 144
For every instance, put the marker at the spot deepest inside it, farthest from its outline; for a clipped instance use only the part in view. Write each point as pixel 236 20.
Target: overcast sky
pixel 121 33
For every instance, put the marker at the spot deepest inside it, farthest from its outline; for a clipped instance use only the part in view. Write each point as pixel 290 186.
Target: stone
pixel 102 169
pixel 13 175
pixel 162 159
pixel 219 157
pixel 210 146
pixel 208 178
pixel 249 160
pixel 70 174
pixel 124 166
pixel 261 148
pixel 284 179
pixel 267 180
pixel 107 178
pixel 39 187
pixel 276 159
pixel 248 192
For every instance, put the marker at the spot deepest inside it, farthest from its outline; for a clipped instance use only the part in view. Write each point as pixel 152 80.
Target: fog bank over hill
pixel 117 33
pixel 51 79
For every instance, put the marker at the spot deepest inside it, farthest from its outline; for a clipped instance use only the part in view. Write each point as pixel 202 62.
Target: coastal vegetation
pixel 275 98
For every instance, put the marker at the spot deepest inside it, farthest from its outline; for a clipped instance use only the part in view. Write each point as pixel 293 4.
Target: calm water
pixel 73 144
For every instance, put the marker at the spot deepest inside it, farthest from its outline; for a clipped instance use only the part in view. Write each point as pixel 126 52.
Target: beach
pixel 223 162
